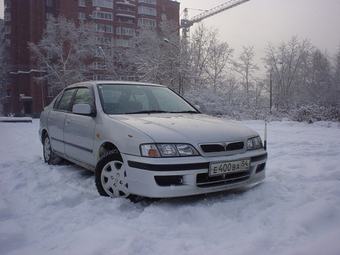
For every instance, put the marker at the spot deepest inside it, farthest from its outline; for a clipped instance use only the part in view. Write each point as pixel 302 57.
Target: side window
pixel 57 101
pixel 83 96
pixel 65 100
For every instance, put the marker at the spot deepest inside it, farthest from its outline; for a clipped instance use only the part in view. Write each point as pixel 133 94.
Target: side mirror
pixel 84 109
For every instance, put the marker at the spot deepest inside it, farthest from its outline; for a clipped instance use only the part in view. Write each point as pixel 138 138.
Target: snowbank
pixel 16 119
pixel 56 209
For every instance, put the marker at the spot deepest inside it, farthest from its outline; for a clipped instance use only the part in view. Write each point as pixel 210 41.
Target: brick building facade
pixel 24 21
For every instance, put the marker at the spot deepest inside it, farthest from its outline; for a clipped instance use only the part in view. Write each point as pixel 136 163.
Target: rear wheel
pixel 49 155
pixel 111 176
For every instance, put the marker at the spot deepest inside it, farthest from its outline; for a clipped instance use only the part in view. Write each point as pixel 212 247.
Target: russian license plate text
pixel 229 167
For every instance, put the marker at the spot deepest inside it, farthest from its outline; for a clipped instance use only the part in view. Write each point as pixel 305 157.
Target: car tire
pixel 111 176
pixel 50 157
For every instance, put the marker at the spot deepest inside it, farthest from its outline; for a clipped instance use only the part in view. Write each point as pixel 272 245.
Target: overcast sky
pixel 257 22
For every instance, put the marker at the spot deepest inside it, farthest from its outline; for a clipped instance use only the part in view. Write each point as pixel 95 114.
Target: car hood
pixel 186 128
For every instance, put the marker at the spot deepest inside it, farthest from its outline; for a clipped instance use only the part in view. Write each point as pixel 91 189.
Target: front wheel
pixel 49 155
pixel 110 175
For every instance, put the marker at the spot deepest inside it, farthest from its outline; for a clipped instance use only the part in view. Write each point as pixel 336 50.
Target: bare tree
pixel 287 63
pixel 335 99
pixel 160 59
pixel 317 86
pixel 246 67
pixel 147 55
pixel 200 50
pixel 217 65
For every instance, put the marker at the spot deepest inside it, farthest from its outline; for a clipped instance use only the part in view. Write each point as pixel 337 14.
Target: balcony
pixel 125 3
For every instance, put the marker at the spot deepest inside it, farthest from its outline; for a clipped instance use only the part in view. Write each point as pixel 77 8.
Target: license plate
pixel 229 167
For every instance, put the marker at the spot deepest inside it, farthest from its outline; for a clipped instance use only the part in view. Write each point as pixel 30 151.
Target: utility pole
pixel 270 88
pixel 270 91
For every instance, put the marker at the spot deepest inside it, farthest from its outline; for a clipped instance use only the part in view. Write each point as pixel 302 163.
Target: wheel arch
pixel 105 147
pixel 43 133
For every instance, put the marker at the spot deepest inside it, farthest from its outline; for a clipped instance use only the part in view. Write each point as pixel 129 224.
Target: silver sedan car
pixel 144 140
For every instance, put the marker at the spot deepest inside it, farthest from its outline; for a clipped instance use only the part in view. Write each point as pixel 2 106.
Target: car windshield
pixel 138 99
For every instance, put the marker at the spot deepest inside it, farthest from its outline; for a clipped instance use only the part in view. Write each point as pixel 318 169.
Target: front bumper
pixel 176 177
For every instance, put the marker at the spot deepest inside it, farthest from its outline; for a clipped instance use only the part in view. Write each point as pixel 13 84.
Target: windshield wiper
pixel 186 112
pixel 147 111
pixel 159 111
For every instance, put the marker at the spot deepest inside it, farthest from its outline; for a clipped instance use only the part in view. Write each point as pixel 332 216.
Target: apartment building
pixel 24 21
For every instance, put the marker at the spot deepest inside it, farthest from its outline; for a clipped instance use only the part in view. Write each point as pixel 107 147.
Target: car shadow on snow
pixel 76 176
pixel 201 199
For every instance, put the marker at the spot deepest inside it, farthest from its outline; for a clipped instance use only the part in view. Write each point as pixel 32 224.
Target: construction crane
pixel 186 23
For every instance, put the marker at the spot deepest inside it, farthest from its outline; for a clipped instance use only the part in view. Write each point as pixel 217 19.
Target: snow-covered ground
pixel 56 209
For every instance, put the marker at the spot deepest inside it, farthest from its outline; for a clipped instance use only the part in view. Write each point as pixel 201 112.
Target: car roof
pixel 98 83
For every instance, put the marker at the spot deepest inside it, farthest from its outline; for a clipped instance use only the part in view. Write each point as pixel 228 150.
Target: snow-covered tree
pixel 161 58
pixel 65 52
pixel 216 68
pixel 202 43
pixel 336 79
pixel 287 63
pixel 245 67
pixel 317 87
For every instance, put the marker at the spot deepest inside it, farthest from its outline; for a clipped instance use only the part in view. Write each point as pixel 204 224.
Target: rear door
pixel 56 120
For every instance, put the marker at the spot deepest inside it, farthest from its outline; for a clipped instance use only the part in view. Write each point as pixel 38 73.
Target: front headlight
pixel 254 143
pixel 168 150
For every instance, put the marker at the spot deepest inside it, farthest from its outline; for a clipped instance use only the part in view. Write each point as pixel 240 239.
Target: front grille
pixel 220 147
pixel 205 181
pixel 235 146
pixel 212 147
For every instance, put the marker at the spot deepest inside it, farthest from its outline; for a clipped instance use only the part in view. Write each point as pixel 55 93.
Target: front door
pixel 79 130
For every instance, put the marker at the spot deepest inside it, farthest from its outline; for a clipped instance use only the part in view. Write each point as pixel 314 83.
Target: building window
pixel 164 16
pixel 103 3
pixel 8 42
pixel 125 43
pixel 100 28
pixel 49 3
pixel 107 53
pixel 82 3
pixel 99 65
pixel 127 78
pixel 7 4
pixel 81 15
pixel 109 29
pixel 104 28
pixel 147 22
pixel 148 1
pixel 100 77
pixel 99 53
pixel 7 30
pixel 125 31
pixel 104 40
pixel 7 16
pixel 126 20
pixel 49 15
pixel 147 10
pixel 102 15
